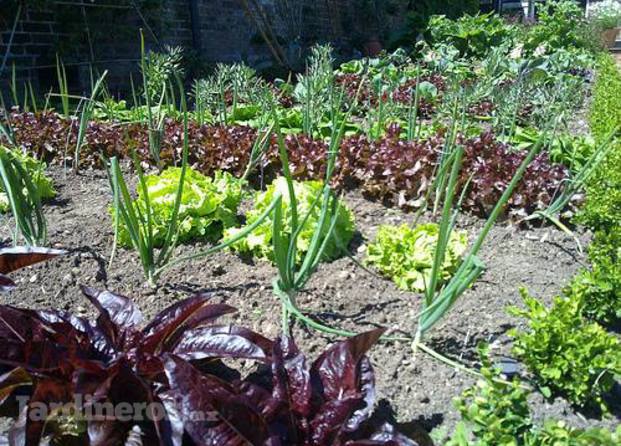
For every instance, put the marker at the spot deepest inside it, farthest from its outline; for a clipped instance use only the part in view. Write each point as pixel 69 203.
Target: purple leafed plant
pixel 393 170
pixel 171 374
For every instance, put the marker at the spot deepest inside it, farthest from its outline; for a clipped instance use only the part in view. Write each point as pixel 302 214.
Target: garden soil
pixel 415 391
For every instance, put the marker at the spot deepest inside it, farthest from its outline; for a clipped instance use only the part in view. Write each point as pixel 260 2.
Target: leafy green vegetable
pixel 567 353
pixel 259 242
pixel 208 205
pixel 497 413
pixel 572 151
pixel 406 254
pixel 36 170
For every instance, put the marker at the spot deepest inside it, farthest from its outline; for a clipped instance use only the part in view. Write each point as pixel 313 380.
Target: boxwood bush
pixel 602 209
pixel 567 354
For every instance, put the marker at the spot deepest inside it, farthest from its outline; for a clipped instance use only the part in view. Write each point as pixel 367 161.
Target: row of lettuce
pixel 382 168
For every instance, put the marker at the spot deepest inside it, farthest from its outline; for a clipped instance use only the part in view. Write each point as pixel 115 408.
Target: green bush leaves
pixel 602 209
pixel 567 353
pixel 497 413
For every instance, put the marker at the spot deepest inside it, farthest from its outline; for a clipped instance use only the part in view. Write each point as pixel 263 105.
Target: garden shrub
pixel 497 413
pixel 208 205
pixel 602 209
pixel 600 290
pixel 492 412
pixel 259 242
pixel 605 113
pixel 567 353
pixel 600 287
pixel 472 35
pixel 36 170
pixel 561 24
pixel 406 254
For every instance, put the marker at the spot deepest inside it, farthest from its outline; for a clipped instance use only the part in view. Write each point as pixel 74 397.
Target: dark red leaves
pixel 223 341
pixel 12 259
pixel 214 413
pixel 171 375
pixel 390 169
pixel 169 325
pixel 323 404
pixel 492 165
pixel 291 378
pixel 337 368
pixel 61 357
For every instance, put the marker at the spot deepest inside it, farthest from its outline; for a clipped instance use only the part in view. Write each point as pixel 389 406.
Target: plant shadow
pixel 417 429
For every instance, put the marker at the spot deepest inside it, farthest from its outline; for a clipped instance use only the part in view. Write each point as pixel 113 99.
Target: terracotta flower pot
pixel 609 36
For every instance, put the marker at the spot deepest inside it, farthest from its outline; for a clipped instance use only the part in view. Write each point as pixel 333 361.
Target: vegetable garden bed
pixel 453 213
pixel 341 293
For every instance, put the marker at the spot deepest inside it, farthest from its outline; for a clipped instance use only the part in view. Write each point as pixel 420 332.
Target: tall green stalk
pixel 139 222
pixel 13 86
pixel 85 117
pixel 63 85
pixel 155 121
pixel 6 129
pixel 413 110
pixel 24 200
pixel 293 275
pixel 574 185
pixel 438 301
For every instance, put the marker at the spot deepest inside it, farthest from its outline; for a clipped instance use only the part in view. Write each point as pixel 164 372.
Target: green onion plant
pixel 24 200
pixel 139 222
pixel 13 87
pixel 158 74
pixel 413 123
pixel 63 85
pixel 573 186
pixel 6 129
pixel 293 274
pixel 85 116
pixel 438 300
pixel 259 148
pixel 314 88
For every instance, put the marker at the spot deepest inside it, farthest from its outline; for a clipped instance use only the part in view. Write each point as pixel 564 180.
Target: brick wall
pixel 34 36
pixel 224 33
